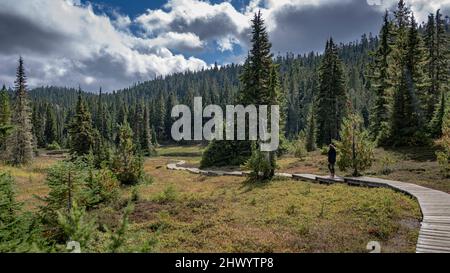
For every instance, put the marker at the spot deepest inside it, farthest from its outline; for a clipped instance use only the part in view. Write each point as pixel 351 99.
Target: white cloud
pixel 220 23
pixel 121 22
pixel 175 40
pixel 75 44
pixel 66 43
pixel 89 80
pixel 421 8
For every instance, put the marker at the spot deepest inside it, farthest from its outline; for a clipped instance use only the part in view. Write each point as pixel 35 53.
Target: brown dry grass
pixel 225 214
pixel 183 212
pixel 30 180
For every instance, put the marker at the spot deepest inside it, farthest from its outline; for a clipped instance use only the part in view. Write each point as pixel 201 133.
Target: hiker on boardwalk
pixel 331 159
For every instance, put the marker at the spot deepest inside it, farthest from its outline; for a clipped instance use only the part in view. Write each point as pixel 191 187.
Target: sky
pixel 115 43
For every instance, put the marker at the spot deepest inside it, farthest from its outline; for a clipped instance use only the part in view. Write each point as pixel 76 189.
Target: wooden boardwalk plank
pixel 434 241
pixel 443 237
pixel 288 175
pixel 425 248
pixel 307 177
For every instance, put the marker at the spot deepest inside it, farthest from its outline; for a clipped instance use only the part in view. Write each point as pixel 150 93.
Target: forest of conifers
pixel 299 77
pixel 396 81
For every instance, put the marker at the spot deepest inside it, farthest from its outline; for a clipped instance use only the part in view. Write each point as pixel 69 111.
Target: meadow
pixel 183 212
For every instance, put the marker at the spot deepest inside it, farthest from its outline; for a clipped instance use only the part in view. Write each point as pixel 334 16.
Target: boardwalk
pixel 434 236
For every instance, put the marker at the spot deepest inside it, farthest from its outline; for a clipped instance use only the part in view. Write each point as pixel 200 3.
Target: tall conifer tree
pixel 81 131
pixel 408 80
pixel 50 126
pixel 101 119
pixel 332 96
pixel 311 130
pixel 379 118
pixel 20 144
pixel 440 80
pixel 146 134
pixel 442 55
pixel 126 165
pixel 430 44
pixel 5 118
pixel 260 86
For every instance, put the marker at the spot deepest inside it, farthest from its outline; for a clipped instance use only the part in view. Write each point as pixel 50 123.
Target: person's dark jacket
pixel 332 155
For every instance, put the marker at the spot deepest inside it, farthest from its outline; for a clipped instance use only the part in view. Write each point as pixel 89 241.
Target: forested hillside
pixel 369 66
pixel 298 76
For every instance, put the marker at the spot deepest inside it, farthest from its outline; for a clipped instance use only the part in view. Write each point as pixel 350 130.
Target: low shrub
pixel 54 146
pixel 298 147
pixel 387 163
pixel 168 195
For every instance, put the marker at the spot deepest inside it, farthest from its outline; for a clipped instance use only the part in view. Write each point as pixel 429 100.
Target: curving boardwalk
pixel 434 235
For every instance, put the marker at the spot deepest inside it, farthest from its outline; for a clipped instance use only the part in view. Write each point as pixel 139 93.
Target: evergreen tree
pixel 126 165
pixel 18 231
pixel 5 109
pixel 332 96
pixel 443 155
pixel 137 124
pixel 154 138
pixel 276 96
pixel 260 86
pixel 400 88
pixel 20 143
pixel 259 165
pixel 407 81
pixel 311 131
pixel 356 150
pixel 436 125
pixel 380 84
pixel 38 125
pixel 80 130
pixel 101 186
pixel 77 226
pixel 226 153
pixel 171 102
pixel 298 148
pixel 122 117
pixel 146 135
pixel 402 15
pixel 430 44
pixel 50 126
pixel 123 113
pixel 101 151
pixel 65 181
pixel 9 208
pixel 101 120
pixel 5 119
pixel 256 76
pixel 440 77
pixel 119 237
pixel 416 62
pixel 160 117
pixel 442 56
